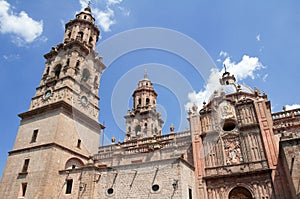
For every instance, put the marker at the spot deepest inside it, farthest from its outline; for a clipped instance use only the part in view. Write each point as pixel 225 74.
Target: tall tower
pixel 143 120
pixel 61 128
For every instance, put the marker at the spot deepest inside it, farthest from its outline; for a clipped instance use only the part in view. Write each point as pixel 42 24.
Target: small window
pixel 68 62
pixel 57 71
pixel 147 101
pixel 110 191
pixel 78 143
pixel 80 35
pixel 23 189
pixel 91 40
pixel 140 101
pixel 69 186
pixel 190 193
pixel 85 75
pixel 34 135
pixel 77 63
pixel 25 166
pixel 47 71
pixel 138 129
pixel 155 187
pixel 229 125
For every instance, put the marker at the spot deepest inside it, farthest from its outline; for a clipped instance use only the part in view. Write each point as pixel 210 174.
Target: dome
pixel 234 88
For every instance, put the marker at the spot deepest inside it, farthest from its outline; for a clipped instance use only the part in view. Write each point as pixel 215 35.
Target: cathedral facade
pixel 235 147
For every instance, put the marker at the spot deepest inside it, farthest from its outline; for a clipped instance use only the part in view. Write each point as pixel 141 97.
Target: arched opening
pixel 96 82
pixel 73 163
pixel 91 40
pixel 140 101
pixel 240 193
pixel 147 101
pixel 57 71
pixel 47 71
pixel 80 35
pixel 68 62
pixel 229 125
pixel 85 75
pixel 138 130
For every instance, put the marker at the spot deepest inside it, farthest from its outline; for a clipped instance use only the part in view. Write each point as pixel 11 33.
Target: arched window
pixel 137 129
pixel 147 101
pixel 47 71
pixel 73 163
pixel 240 192
pixel 85 75
pixel 91 40
pixel 80 35
pixel 77 63
pixel 57 70
pixel 68 62
pixel 140 101
pixel 96 82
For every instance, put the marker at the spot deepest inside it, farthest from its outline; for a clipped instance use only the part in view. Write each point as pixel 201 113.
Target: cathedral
pixel 235 148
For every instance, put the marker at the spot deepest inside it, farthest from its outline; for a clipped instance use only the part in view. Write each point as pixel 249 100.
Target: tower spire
pixel 145 73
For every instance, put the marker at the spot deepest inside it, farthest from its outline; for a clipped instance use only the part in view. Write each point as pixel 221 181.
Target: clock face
pixel 84 100
pixel 47 94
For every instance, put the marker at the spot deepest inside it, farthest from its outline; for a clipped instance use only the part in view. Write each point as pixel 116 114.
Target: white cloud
pixel 241 70
pixel 113 2
pixel 213 84
pixel 105 18
pixel 291 107
pixel 245 68
pixel 223 54
pixel 21 25
pixel 258 37
pixel 11 57
pixel 265 77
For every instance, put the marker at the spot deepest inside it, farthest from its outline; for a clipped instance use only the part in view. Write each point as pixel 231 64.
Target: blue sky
pixel 257 40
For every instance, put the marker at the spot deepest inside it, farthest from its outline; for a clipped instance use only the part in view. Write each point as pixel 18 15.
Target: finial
pixel 89 3
pixel 172 128
pixel 145 73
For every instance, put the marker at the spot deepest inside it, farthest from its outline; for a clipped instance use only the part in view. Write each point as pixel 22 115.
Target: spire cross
pixel 225 68
pixel 145 73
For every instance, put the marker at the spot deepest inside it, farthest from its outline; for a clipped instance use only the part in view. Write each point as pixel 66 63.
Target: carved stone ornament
pixel 232 149
pixel 226 110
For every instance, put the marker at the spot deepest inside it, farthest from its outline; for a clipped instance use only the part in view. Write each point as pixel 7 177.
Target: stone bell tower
pixel 61 127
pixel 143 120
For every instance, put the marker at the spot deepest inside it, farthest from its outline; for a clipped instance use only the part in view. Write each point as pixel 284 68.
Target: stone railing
pixel 144 145
pixel 286 114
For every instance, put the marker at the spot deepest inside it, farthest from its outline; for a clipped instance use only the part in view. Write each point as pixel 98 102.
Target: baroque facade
pixel 235 148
